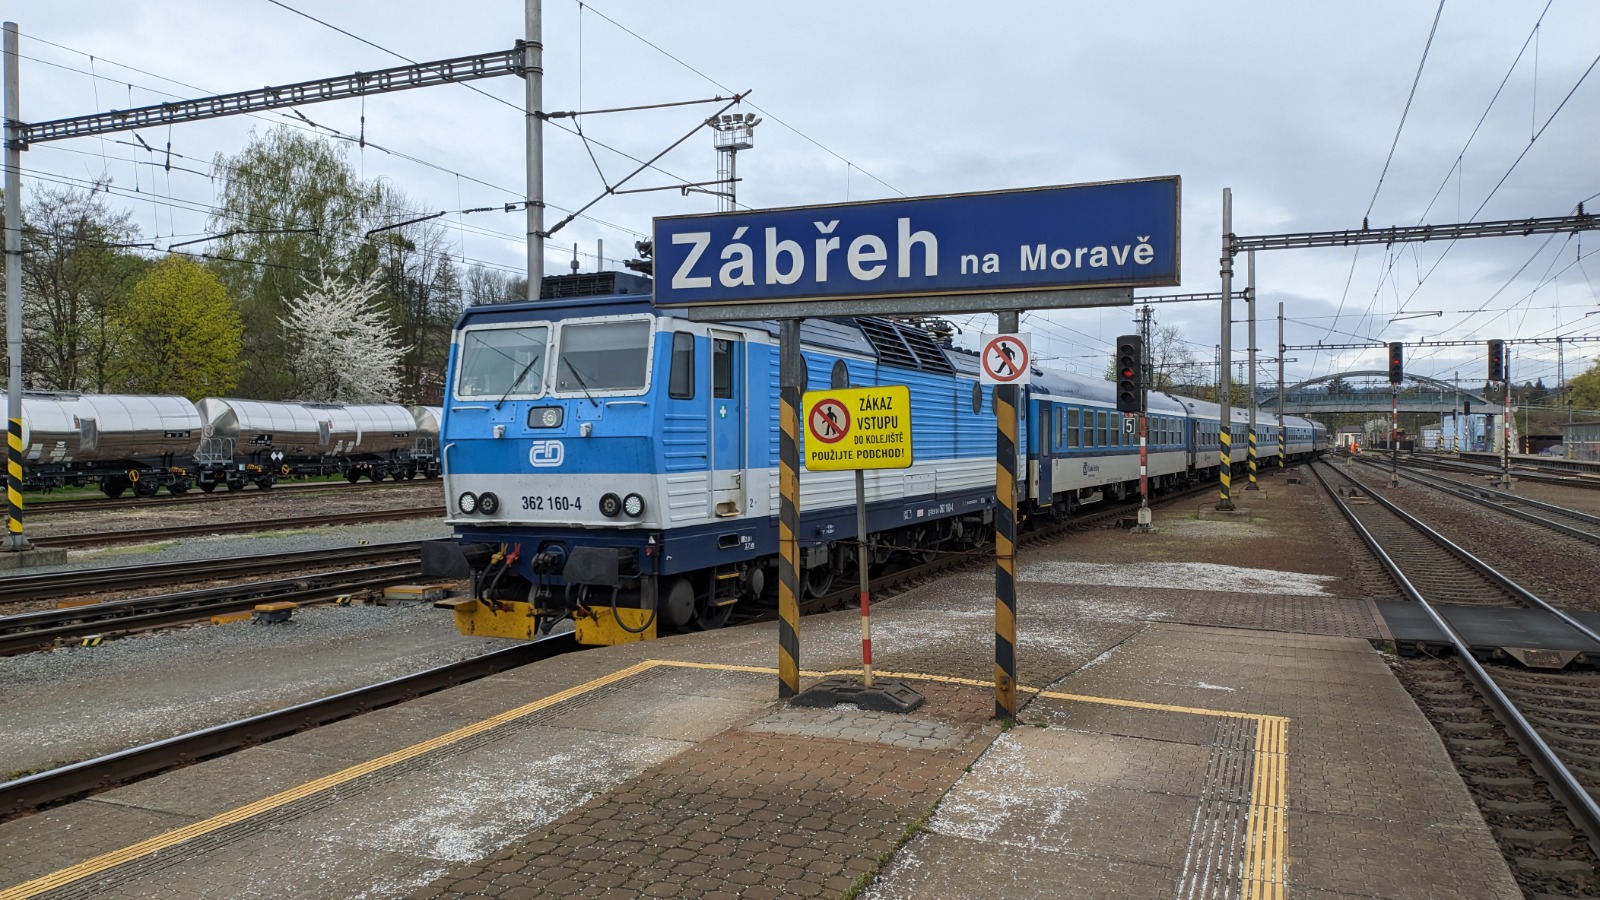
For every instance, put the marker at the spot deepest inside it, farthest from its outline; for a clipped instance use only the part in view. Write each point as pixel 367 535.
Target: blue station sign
pixel 1108 234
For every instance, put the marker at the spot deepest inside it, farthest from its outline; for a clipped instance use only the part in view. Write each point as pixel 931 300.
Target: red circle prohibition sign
pixel 829 421
pixel 1005 358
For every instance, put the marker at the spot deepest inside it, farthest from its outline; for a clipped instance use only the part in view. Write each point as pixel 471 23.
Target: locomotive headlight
pixel 610 506
pixel 633 505
pixel 545 417
pixel 467 502
pixel 488 504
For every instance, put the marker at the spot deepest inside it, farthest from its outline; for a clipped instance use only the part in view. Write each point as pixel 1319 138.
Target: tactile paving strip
pixel 1213 864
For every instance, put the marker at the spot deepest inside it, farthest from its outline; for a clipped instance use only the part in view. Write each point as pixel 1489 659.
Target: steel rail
pixel 1501 502
pixel 1511 587
pixel 36 506
pixel 30 631
pixel 32 792
pixel 101 538
pixel 1580 806
pixel 39 586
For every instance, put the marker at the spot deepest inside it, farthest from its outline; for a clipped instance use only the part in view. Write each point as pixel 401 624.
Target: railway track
pixel 15 588
pixel 1566 478
pixel 1486 714
pixel 33 792
pixel 102 538
pixel 35 506
pixel 48 628
pixel 1570 522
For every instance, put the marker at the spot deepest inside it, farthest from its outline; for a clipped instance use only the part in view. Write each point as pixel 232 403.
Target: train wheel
pixel 352 475
pixel 819 581
pixel 179 488
pixel 235 485
pixel 113 487
pixel 678 607
pixel 710 617
pixel 145 488
pixel 207 487
pixel 264 484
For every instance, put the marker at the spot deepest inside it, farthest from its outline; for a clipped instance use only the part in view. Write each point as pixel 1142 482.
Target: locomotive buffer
pixel 859 429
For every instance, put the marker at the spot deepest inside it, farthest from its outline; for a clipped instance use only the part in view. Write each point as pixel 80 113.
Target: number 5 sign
pixel 1005 359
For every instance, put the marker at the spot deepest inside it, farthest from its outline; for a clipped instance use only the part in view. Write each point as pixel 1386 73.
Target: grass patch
pixel 133 550
pixel 910 831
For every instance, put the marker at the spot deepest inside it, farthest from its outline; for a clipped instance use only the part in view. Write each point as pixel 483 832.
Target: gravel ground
pixel 265 543
pixel 76 703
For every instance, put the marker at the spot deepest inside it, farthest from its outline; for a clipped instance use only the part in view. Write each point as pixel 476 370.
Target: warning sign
pixel 858 428
pixel 1005 359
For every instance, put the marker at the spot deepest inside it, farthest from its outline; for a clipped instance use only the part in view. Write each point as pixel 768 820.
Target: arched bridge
pixel 1370 392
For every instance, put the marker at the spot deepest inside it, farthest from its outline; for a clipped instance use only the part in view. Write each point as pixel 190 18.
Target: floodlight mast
pixel 732 132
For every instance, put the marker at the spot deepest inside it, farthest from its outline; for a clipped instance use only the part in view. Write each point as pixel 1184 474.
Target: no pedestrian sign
pixel 1005 359
pixel 858 428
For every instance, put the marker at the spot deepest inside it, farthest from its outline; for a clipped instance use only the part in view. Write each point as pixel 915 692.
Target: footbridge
pixel 1369 391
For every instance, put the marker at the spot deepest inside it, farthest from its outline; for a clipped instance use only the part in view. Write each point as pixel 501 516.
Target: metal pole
pixel 791 373
pixel 1283 441
pixel 1225 353
pixel 1250 302
pixel 1505 440
pixel 861 571
pixel 534 126
pixel 15 540
pixel 1394 435
pixel 1005 541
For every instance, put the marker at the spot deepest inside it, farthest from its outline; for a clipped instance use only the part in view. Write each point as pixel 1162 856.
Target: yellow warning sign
pixel 858 428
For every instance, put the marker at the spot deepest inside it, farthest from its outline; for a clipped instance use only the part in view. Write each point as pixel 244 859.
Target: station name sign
pixel 1109 234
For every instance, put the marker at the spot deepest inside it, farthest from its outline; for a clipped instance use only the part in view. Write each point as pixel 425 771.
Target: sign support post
pixel 791 372
pixel 1005 540
pixel 861 572
pixel 1250 302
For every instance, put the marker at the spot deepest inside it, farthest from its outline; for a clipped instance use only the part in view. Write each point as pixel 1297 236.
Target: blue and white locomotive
pixel 618 464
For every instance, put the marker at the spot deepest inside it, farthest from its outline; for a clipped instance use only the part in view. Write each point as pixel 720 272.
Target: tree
pixel 302 209
pixel 75 278
pixel 179 333
pixel 421 291
pixel 344 349
pixel 1584 390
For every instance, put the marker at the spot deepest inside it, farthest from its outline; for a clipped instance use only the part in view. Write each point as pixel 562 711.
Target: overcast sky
pixel 1293 106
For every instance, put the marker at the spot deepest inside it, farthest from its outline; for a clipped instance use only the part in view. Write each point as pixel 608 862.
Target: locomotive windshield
pixel 496 362
pixel 606 356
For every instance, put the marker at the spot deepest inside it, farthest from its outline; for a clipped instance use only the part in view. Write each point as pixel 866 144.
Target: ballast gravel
pixel 76 703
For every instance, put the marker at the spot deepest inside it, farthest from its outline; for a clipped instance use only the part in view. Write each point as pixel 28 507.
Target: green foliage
pixel 179 333
pixel 285 180
pixel 74 282
pixel 1584 390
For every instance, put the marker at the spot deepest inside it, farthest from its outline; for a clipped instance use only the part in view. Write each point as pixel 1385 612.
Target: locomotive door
pixel 727 423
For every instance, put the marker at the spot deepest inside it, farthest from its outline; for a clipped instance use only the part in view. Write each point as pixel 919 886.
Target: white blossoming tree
pixel 345 350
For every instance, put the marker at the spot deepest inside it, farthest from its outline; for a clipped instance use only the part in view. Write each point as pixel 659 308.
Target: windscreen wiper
pixel 574 370
pixel 520 375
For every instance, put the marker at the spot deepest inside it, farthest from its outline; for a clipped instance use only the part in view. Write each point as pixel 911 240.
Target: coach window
pixel 722 368
pixel 605 356
pixel 1072 427
pixel 497 362
pixel 680 385
pixel 1055 427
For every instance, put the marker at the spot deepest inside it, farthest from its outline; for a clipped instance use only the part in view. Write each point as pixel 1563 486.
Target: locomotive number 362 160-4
pixel 554 504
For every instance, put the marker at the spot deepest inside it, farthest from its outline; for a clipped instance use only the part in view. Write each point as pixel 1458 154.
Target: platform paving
pixel 1189 731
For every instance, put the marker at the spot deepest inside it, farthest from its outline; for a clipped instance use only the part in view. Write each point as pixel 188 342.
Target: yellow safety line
pixel 1265 841
pixel 239 814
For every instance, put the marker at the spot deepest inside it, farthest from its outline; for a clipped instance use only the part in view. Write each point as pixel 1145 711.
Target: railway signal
pixel 1397 366
pixel 1130 373
pixel 1497 361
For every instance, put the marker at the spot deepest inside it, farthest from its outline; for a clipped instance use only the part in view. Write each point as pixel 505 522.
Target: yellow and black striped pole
pixel 14 538
pixel 1005 553
pixel 1225 467
pixel 790 372
pixel 1282 443
pixel 1250 462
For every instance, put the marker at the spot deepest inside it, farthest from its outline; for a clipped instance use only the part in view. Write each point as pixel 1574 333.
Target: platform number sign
pixel 1005 359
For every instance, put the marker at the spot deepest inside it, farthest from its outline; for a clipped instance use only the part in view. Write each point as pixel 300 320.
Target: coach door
pixel 728 389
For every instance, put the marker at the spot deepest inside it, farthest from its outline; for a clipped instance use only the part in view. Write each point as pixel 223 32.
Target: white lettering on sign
pixel 1038 256
pixel 785 259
